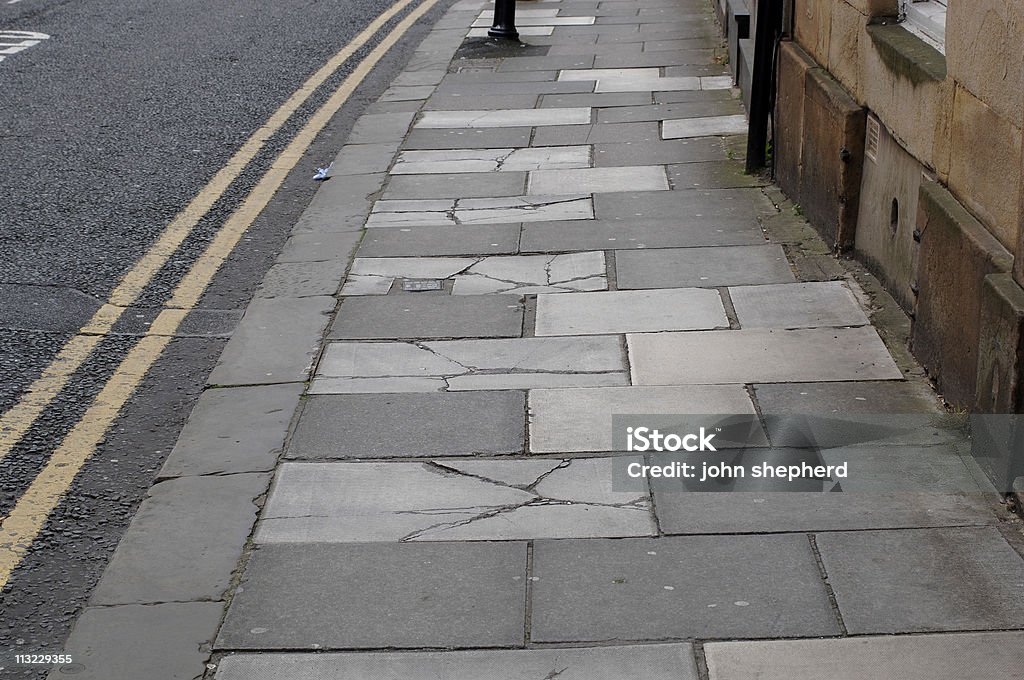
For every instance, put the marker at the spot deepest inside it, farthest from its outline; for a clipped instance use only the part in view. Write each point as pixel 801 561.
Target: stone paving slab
pixel 492 160
pixel 275 342
pixel 797 305
pixel 712 175
pixel 302 279
pixel 664 112
pixel 925 580
pixel 883 467
pixel 701 57
pixel 184 541
pixel 677 96
pixel 515 275
pixel 516 363
pixel 710 126
pixel 106 641
pixel 402 93
pixel 459 101
pixel 752 356
pixel 741 512
pixel 698 209
pixel 661 84
pixel 628 311
pixel 576 420
pixel 720 71
pixel 640 233
pixel 340 206
pixel 455 185
pixel 690 587
pixel 488 239
pixel 241 429
pixel 436 316
pixel 488 500
pixel 597 180
pixel 487 76
pixel 918 657
pixel 599 133
pixel 373 596
pixel 376 128
pixel 410 425
pixel 837 414
pixel 562 49
pixel 361 159
pixel 485 22
pixel 485 90
pixel 480 211
pixel 658 662
pixel 481 32
pixel 702 267
pixel 468 138
pixel 319 246
pixel 505 118
pixel 546 63
pixel 848 399
pixel 595 100
pixel 674 44
pixel 662 153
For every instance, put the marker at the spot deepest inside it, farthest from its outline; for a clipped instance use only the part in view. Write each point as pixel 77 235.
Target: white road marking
pixel 22 40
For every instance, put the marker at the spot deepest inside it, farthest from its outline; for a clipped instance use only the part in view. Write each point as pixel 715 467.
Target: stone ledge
pixel 907 55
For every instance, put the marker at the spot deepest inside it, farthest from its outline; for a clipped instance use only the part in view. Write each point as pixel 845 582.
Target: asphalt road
pixel 108 127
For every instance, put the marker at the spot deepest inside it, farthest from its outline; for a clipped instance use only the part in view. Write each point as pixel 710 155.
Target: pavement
pixel 404 464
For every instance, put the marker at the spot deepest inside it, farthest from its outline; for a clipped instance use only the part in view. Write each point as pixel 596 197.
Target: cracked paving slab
pixel 492 160
pixel 435 213
pixel 457 365
pixel 487 500
pixel 511 274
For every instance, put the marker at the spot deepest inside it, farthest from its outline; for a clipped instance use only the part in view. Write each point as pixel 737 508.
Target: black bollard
pixel 762 85
pixel 504 25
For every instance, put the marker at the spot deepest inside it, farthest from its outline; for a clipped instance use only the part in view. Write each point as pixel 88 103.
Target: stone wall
pixel 949 153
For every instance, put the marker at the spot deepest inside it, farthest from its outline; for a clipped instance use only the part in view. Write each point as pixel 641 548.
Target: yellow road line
pixel 19 418
pixel 21 527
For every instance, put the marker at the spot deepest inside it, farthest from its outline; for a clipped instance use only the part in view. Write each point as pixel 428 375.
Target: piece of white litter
pixel 321 173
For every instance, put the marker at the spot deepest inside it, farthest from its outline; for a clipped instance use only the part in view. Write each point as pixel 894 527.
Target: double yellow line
pixel 22 525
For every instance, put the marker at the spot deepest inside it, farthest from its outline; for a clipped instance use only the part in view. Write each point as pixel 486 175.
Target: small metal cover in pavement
pixel 417 285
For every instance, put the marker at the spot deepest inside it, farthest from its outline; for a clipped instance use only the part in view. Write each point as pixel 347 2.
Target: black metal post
pixel 762 86
pixel 504 25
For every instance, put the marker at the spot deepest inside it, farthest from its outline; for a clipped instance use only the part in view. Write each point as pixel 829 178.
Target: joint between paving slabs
pixel 832 601
pixel 658 531
pixel 612 280
pixel 528 595
pixel 730 308
pixel 700 660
